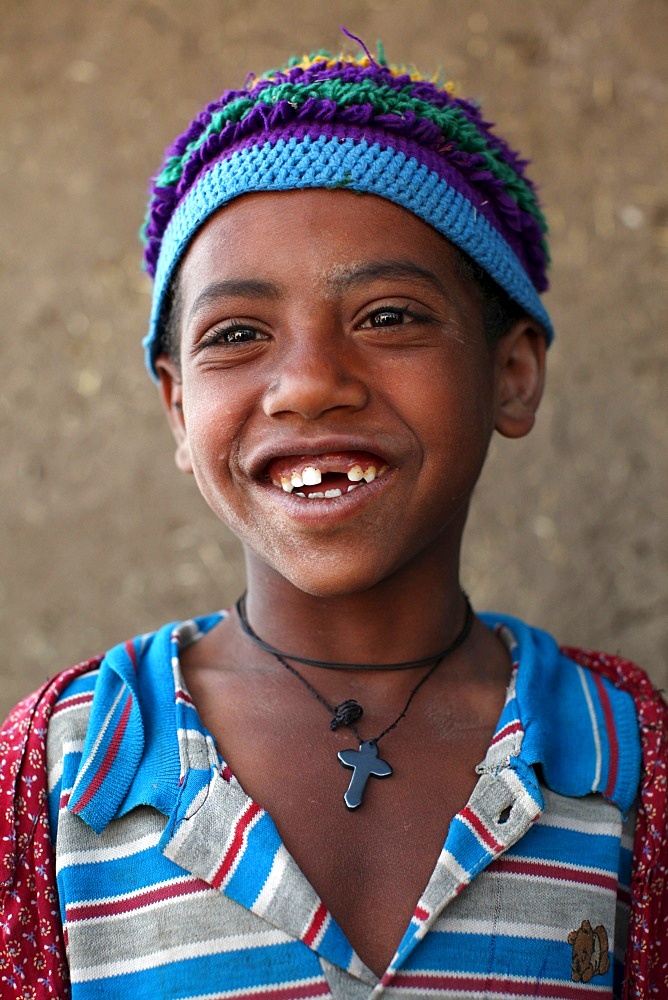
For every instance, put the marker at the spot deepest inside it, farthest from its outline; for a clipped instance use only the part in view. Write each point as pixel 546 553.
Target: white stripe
pixel 469 925
pixel 103 729
pixel 56 770
pixel 114 853
pixel 594 728
pixel 197 949
pixel 270 887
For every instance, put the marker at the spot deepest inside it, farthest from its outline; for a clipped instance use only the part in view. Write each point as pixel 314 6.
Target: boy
pixel 351 786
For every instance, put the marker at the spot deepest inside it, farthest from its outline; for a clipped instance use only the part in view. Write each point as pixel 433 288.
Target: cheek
pixel 450 407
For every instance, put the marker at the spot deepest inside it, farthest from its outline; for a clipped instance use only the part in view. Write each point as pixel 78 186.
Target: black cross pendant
pixel 364 763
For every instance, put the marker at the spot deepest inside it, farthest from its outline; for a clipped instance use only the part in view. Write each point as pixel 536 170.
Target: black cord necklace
pixel 365 761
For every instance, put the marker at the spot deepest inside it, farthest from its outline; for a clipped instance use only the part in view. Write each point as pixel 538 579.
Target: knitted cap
pixel 354 123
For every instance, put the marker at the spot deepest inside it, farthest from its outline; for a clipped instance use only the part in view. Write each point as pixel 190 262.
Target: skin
pixel 317 322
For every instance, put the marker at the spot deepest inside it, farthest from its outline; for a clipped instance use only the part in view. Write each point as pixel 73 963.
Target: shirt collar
pixel 144 734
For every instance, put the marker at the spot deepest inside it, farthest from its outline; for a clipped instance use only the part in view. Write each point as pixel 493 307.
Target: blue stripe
pixel 334 946
pixel 277 964
pixel 535 958
pixel 132 873
pixel 568 846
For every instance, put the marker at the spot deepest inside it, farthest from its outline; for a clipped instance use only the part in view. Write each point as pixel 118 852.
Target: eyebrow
pixel 385 270
pixel 231 287
pixel 347 278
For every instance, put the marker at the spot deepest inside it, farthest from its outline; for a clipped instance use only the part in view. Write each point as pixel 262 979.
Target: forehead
pixel 317 239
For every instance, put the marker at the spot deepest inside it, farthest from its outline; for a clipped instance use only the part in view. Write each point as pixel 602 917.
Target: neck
pixel 397 619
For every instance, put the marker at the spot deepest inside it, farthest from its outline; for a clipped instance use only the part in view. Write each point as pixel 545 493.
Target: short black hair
pixel 499 310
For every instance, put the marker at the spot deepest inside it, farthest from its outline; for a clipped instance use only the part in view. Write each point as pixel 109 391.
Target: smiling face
pixel 336 393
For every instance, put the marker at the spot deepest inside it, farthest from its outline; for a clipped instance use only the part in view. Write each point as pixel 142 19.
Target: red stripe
pixel 314 927
pixel 298 991
pixel 420 913
pixel 64 800
pixel 107 760
pixel 492 984
pixel 512 727
pixel 130 650
pixel 611 731
pixel 139 900
pixel 183 696
pixel 226 773
pixel 233 850
pixel 75 699
pixel 563 873
pixel 482 831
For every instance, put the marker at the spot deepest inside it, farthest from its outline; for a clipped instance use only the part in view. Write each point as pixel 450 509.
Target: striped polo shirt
pixel 174 883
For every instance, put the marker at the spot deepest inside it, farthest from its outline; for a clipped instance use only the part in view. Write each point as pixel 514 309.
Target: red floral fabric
pixel 33 964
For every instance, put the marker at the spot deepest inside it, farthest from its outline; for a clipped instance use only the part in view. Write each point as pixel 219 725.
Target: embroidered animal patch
pixel 590 952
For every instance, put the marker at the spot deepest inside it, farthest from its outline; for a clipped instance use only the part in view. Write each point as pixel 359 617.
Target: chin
pixel 326 573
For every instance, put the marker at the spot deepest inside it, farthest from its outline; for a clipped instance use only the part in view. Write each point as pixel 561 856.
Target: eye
pixel 232 334
pixel 387 317
pixel 392 316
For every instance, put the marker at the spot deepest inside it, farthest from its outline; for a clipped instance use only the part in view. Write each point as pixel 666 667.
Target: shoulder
pixel 23 775
pixel 113 740
pixel 584 713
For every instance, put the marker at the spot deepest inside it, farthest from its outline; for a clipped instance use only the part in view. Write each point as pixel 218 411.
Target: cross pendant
pixel 364 763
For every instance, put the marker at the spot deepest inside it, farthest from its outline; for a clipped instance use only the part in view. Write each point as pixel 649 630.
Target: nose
pixel 316 374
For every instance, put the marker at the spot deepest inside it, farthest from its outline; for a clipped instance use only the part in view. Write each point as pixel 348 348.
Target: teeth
pixel 310 476
pixel 316 496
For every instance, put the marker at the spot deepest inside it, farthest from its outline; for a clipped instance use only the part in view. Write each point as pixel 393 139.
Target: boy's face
pixel 330 331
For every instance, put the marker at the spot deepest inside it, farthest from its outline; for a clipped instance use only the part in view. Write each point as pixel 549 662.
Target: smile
pixel 335 474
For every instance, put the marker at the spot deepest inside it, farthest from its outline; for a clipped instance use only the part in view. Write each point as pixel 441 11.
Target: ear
pixel 520 377
pixel 170 388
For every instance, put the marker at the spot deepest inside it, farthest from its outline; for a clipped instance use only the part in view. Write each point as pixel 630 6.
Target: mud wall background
pixel 100 537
